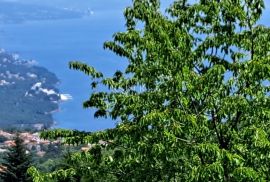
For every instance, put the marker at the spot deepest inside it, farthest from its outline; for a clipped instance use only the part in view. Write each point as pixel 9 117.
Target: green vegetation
pixel 23 102
pixel 16 162
pixel 55 156
pixel 192 104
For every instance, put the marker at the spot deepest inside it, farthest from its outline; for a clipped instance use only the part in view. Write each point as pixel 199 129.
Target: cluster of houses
pixel 30 140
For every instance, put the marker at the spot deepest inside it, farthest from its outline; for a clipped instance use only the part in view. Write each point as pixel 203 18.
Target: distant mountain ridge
pixel 28 93
pixel 16 12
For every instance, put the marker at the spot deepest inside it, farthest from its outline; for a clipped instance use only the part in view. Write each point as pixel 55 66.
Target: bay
pixel 54 43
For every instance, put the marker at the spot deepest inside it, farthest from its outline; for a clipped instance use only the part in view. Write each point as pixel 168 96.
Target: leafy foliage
pixel 16 162
pixel 193 103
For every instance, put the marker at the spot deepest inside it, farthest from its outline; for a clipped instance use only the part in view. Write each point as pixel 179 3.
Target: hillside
pixel 28 93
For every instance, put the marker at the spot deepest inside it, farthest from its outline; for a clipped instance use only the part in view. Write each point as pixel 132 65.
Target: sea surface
pixel 54 43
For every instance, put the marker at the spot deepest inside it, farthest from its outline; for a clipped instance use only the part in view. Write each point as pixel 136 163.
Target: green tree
pixel 16 162
pixel 193 102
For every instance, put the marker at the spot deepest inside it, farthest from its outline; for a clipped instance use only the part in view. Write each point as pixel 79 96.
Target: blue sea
pixel 53 43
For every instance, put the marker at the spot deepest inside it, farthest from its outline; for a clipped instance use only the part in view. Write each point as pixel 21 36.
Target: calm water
pixel 54 43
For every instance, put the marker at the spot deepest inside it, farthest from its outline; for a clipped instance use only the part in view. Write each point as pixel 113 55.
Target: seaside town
pixel 31 140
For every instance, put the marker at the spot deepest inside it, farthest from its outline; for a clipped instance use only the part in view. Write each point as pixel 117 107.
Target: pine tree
pixel 17 161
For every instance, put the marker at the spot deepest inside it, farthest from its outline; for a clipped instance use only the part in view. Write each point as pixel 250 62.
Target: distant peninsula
pixel 28 94
pixel 18 12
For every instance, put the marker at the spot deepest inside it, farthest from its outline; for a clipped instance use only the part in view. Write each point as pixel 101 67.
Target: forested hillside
pixel 28 93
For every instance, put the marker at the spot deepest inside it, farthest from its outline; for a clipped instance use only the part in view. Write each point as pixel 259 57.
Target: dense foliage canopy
pixel 193 103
